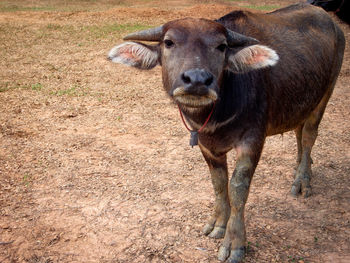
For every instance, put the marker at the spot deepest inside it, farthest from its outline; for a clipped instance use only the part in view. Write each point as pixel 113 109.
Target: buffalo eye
pixel 221 47
pixel 168 43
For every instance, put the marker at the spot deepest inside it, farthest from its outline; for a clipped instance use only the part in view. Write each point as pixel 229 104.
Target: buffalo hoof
pixel 208 228
pixel 301 187
pixel 223 254
pixel 233 256
pixel 218 232
pixel 214 231
pixel 301 184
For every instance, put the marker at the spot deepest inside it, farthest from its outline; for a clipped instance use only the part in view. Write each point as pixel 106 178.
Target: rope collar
pixel 194 133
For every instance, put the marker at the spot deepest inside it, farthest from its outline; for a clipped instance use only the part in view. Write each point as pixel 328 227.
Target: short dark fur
pixel 308 69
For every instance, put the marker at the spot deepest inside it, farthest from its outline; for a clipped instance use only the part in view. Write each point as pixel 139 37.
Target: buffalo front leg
pixel 234 244
pixel 216 226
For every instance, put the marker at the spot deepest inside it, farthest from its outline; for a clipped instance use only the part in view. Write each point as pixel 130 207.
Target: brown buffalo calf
pixel 237 80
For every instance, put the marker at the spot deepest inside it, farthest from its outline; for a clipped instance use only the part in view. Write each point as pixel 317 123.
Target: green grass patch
pixel 262 7
pixel 74 91
pixel 15 8
pixel 36 87
pixel 27 180
pixel 60 5
pixel 80 34
pixel 8 86
pixel 3 89
pixel 54 27
pixel 295 259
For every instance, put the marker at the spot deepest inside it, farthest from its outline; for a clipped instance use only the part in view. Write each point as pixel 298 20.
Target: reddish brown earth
pixel 95 164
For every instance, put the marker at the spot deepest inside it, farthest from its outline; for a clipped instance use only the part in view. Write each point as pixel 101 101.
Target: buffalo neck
pixel 236 99
pixel 198 116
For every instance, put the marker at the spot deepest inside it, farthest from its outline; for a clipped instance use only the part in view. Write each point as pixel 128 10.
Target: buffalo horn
pixel 152 34
pixel 236 39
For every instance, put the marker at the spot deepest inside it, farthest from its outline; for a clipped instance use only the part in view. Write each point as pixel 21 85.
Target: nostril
pixel 209 81
pixel 195 78
pixel 186 79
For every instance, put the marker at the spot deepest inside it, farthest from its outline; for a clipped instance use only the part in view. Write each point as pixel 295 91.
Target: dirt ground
pixel 94 160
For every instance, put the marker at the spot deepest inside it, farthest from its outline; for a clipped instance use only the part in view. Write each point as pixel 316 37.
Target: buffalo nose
pixel 195 80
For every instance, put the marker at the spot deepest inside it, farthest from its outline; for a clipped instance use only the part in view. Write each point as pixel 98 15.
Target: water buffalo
pixel 239 79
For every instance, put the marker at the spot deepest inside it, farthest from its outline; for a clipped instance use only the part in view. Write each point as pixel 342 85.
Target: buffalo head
pixel 193 54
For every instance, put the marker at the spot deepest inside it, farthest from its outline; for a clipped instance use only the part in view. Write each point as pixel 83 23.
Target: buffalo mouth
pixel 194 100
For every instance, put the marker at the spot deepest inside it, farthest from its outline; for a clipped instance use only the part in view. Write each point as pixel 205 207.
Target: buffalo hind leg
pixel 234 244
pixel 306 136
pixel 216 226
pixel 302 173
pixel 298 134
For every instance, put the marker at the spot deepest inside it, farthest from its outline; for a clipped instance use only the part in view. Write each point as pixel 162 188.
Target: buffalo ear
pixel 135 55
pixel 250 58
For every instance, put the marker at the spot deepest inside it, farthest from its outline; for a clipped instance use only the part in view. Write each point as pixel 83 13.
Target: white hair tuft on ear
pixel 134 55
pixel 252 57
